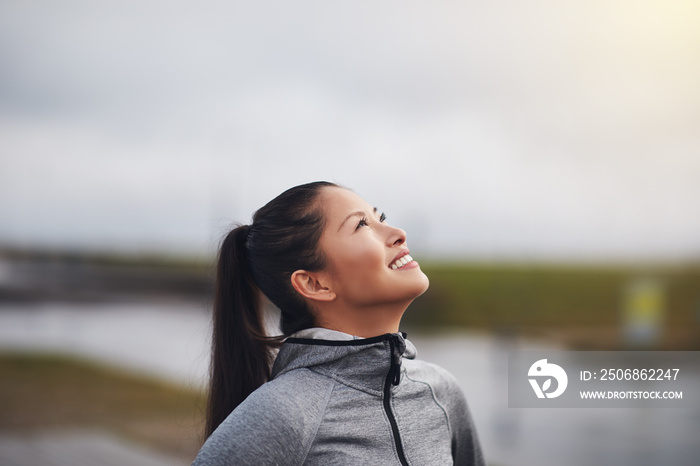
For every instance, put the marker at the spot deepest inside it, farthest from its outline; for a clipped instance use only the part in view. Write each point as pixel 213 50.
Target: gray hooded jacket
pixel 339 400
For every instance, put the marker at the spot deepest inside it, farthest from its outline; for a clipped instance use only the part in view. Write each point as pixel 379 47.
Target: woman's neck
pixel 364 322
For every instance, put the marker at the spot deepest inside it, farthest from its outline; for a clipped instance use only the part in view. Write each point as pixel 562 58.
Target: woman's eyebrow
pixel 358 213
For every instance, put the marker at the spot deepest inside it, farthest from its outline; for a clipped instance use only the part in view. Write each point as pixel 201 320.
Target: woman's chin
pixel 422 283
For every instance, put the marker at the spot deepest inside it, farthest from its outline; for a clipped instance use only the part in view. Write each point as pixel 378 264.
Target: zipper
pixel 393 377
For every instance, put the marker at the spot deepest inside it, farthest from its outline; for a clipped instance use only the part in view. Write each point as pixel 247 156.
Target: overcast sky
pixel 491 130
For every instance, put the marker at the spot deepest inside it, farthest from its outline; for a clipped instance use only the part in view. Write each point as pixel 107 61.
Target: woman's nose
pixel 397 237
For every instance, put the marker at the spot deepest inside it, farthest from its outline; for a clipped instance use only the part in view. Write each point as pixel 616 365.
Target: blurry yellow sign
pixel 643 312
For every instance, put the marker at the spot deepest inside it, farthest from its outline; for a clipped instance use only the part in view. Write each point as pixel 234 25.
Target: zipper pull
pixel 395 368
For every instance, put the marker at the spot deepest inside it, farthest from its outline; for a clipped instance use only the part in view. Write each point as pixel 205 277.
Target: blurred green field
pixel 45 392
pixel 580 304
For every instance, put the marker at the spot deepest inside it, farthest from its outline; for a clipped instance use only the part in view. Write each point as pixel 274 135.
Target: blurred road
pixel 78 449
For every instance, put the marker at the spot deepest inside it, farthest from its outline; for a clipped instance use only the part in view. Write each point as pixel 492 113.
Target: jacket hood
pixel 362 363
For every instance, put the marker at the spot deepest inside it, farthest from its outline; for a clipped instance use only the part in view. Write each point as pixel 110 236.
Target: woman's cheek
pixel 368 259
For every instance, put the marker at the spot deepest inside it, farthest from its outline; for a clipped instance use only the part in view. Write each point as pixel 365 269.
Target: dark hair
pixel 283 238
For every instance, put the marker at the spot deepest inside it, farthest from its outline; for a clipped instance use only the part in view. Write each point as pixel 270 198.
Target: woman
pixel 344 387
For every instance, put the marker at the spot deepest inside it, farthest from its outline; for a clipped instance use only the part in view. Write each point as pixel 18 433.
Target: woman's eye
pixel 382 217
pixel 362 223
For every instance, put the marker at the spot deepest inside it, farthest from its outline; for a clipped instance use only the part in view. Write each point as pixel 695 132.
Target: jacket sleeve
pixel 466 449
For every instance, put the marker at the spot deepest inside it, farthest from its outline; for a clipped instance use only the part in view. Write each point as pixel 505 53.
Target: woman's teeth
pixel 398 263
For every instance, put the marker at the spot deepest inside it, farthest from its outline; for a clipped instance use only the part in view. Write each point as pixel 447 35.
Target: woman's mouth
pixel 401 262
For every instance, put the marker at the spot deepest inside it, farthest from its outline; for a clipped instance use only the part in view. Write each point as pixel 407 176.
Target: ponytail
pixel 255 260
pixel 241 355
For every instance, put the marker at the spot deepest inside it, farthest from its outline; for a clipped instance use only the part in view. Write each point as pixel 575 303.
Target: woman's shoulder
pixel 291 401
pixel 443 384
pixel 276 423
pixel 425 371
pixel 290 391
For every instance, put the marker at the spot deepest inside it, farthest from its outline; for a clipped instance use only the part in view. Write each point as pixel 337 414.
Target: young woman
pixel 344 387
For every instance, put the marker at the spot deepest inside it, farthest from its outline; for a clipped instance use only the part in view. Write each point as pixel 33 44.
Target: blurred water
pixel 171 341
pixel 168 341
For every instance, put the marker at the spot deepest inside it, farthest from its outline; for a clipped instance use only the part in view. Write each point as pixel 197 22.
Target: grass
pixel 580 305
pixel 42 392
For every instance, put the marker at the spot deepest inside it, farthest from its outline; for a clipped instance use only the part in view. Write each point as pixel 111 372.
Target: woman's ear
pixel 312 286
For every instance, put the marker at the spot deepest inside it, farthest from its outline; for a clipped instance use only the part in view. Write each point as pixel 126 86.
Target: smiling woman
pixel 344 387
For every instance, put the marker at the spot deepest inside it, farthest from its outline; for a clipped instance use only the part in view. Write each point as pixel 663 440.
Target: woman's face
pixel 362 251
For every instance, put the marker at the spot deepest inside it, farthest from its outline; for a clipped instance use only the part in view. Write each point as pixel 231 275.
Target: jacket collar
pixel 362 363
pixel 321 333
